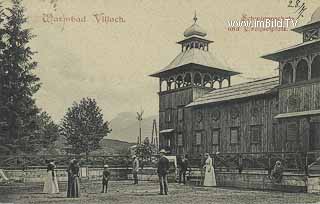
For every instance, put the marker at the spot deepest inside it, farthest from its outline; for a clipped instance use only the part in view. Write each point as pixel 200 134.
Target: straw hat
pixel 162 151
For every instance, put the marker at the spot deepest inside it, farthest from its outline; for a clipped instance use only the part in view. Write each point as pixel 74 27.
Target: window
pixel 180 140
pixel 180 114
pixel 274 135
pixel 168 115
pixel 215 136
pixel 287 74
pixel 315 68
pixel 302 71
pixel 198 138
pixel 234 135
pixel 292 131
pixel 255 134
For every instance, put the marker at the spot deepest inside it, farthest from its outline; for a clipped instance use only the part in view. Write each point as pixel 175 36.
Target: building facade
pixel 200 111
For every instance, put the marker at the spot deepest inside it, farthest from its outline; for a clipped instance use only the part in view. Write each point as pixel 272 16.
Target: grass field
pixel 147 192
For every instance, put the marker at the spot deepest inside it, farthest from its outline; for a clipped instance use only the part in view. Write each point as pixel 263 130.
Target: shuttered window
pixel 198 138
pixel 168 115
pixel 255 134
pixel 234 135
pixel 180 141
pixel 292 131
pixel 215 136
pixel 180 114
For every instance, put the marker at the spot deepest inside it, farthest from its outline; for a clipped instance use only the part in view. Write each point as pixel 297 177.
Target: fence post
pixel 269 163
pixel 240 164
pixel 306 169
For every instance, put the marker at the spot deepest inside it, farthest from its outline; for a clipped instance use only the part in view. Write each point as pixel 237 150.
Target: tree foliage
pixel 18 83
pixel 83 126
pixel 145 150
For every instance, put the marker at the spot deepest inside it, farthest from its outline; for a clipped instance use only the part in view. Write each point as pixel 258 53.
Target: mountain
pixel 109 146
pixel 106 147
pixel 125 127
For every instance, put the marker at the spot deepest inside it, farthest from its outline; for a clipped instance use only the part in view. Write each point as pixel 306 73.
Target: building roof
pixel 298 114
pixel 277 54
pixel 314 22
pixel 195 56
pixel 243 90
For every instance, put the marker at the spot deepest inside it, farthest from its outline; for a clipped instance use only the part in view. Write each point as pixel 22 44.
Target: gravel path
pixel 147 192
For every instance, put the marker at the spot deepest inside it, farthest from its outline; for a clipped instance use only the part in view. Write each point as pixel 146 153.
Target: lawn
pixel 147 192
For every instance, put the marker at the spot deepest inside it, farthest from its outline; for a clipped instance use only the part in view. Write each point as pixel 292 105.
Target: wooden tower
pixel 194 72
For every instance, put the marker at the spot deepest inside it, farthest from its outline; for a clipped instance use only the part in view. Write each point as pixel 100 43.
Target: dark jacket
pixel 184 165
pixel 106 176
pixel 163 166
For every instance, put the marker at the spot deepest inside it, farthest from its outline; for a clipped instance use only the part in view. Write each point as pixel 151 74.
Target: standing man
pixel 163 170
pixel 105 178
pixel 183 169
pixel 135 168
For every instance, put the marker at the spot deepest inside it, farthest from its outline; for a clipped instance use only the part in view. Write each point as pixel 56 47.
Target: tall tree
pixel 47 132
pixel 18 83
pixel 83 126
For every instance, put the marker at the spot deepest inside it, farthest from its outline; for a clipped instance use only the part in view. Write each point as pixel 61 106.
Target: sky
pixel 111 61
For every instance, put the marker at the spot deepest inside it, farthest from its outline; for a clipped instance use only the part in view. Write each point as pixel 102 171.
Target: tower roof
pixel 194 29
pixel 196 56
pixel 315 16
pixel 314 22
pixel 301 48
pixel 195 51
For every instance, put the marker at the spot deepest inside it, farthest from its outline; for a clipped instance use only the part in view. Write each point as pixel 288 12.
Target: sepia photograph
pixel 159 102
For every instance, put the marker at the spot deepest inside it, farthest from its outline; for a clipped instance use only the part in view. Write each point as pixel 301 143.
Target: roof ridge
pixel 242 90
pixel 244 83
pixel 205 97
pixel 234 93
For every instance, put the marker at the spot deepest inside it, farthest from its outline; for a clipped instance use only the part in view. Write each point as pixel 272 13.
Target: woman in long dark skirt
pixel 73 180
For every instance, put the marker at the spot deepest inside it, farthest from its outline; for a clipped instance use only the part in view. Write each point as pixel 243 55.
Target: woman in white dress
pixel 209 176
pixel 51 182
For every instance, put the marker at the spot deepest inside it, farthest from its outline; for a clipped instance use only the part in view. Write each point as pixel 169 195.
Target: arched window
pixel 187 79
pixel 197 79
pixel 179 81
pixel 302 71
pixel 216 84
pixel 225 83
pixel 171 84
pixel 164 85
pixel 287 74
pixel 207 81
pixel 315 68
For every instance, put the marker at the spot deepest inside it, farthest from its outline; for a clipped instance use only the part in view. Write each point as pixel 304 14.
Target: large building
pixel 200 111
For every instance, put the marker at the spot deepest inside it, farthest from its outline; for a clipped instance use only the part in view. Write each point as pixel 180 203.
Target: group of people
pixel 73 189
pixel 51 182
pixel 163 170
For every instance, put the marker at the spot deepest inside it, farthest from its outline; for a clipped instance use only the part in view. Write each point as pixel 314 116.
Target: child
pixel 105 179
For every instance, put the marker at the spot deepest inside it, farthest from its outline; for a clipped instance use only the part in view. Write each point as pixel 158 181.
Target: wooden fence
pixel 291 161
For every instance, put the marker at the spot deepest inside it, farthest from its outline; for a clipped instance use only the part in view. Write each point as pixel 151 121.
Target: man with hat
pixel 135 168
pixel 163 170
pixel 105 178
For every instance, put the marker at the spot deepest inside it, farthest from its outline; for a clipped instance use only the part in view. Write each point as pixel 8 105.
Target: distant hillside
pixel 125 127
pixel 109 146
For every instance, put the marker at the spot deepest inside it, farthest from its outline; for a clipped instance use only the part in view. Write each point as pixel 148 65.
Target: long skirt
pixel 50 184
pixel 73 187
pixel 209 177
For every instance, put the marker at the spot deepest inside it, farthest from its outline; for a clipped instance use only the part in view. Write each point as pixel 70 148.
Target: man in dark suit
pixel 163 170
pixel 184 164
